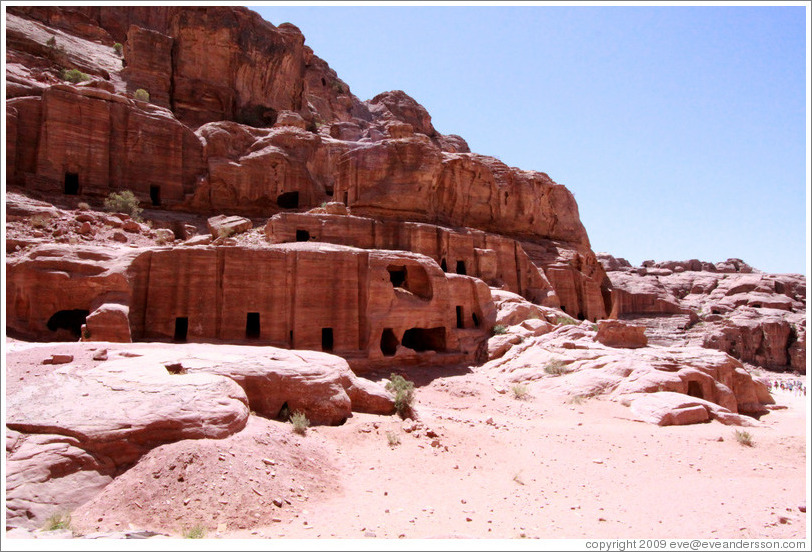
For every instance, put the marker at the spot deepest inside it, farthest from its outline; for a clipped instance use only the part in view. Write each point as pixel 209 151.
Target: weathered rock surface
pixel 380 306
pixel 758 318
pixel 569 359
pixel 614 333
pixel 321 386
pixel 73 429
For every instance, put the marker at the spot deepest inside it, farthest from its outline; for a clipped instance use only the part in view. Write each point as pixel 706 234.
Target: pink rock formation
pixel 590 368
pixel 614 333
pixel 382 306
pixel 758 318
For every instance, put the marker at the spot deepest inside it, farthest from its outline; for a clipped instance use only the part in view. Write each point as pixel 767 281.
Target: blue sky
pixel 680 130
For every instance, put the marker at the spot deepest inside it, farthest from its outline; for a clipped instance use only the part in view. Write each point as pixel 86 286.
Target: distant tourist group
pixel 793 386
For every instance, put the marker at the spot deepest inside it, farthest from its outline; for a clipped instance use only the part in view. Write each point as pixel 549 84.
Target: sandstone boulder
pixel 109 322
pixel 614 333
pixel 668 408
pixel 320 385
pixel 223 225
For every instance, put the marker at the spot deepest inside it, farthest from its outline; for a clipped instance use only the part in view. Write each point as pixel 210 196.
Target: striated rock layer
pixel 243 119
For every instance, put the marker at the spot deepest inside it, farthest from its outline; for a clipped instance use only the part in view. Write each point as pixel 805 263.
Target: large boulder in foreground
pixel 319 384
pixel 73 429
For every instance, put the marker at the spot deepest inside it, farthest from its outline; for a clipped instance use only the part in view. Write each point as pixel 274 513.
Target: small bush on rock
pixel 499 329
pixel 403 390
pixel 520 391
pixel 123 202
pixel 300 422
pixel 57 522
pixel 73 75
pixel 141 95
pixel 118 48
pixel 556 368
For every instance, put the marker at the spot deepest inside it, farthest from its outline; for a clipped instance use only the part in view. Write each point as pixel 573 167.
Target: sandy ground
pixel 480 463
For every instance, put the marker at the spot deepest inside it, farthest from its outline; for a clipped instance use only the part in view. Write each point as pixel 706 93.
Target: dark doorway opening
pixel 346 198
pixel 302 235
pixel 71 183
pixel 290 338
pixel 155 195
pixel 181 329
pixel 252 325
pixel 389 343
pixel 461 267
pixel 284 413
pixel 695 389
pixel 71 320
pixel 475 318
pixel 424 339
pixel 288 200
pixel 460 321
pixel 327 339
pixel 444 265
pixel 397 275
pixel 328 191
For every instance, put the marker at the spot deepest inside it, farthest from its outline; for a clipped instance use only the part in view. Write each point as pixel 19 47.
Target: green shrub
pixel 82 206
pixel 403 390
pixel 744 438
pixel 73 75
pixel 57 521
pixel 123 202
pixel 196 532
pixel 565 320
pixel 520 391
pixel 141 95
pixel 556 368
pixel 300 422
pixel 499 329
pixel 393 438
pixel 118 49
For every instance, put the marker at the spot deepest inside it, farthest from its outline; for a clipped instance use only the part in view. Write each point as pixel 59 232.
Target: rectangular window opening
pixel 155 195
pixel 181 329
pixel 252 327
pixel 327 339
pixel 461 267
pixel 71 183
pixel 460 321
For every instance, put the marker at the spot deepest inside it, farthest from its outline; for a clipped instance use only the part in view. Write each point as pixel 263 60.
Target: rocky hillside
pixel 349 239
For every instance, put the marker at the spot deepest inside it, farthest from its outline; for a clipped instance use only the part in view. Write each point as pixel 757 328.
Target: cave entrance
pixel 460 321
pixel 461 268
pixel 389 343
pixel 397 275
pixel 695 390
pixel 181 329
pixel 71 183
pixel 71 320
pixel 302 235
pixel 424 339
pixel 327 339
pixel 413 279
pixel 288 200
pixel 444 265
pixel 252 327
pixel 155 195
